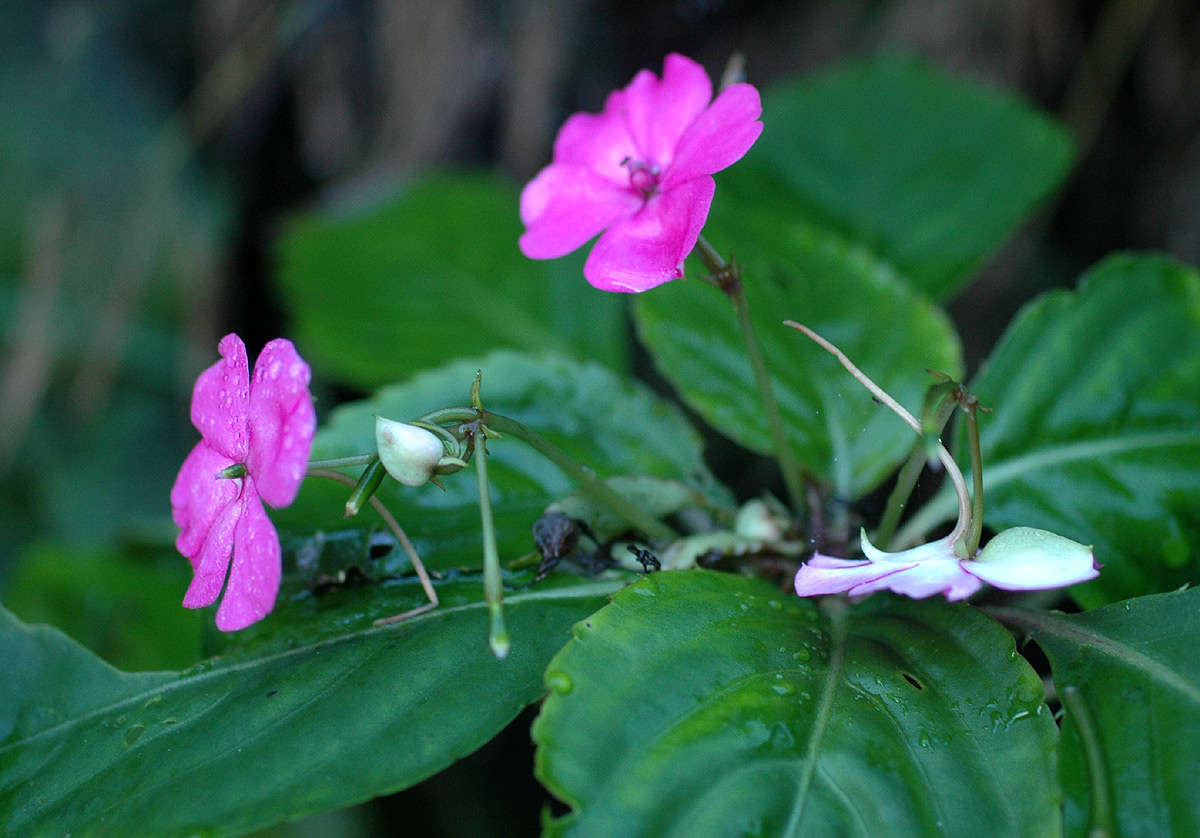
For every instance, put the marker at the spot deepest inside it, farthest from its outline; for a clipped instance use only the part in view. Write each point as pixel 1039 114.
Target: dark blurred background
pixel 150 150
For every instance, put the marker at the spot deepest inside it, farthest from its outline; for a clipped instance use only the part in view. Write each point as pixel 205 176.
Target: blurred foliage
pixel 928 172
pixel 433 275
pixel 123 605
pixel 108 236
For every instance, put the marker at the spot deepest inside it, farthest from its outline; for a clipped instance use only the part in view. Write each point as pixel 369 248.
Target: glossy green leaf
pixel 928 171
pixel 610 425
pixel 796 272
pixel 1096 429
pixel 319 710
pixel 740 710
pixel 1129 680
pixel 436 274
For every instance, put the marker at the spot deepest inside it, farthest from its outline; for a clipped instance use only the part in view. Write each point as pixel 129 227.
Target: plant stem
pixel 728 278
pixel 340 462
pixel 493 589
pixel 584 477
pixel 976 530
pixel 592 485
pixel 952 470
pixel 906 481
pixel 401 537
pixel 366 486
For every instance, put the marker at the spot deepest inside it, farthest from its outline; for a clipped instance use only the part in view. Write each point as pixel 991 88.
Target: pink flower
pixel 266 427
pixel 641 172
pixel 1018 559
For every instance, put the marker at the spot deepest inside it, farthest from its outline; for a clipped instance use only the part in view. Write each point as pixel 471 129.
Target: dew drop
pixel 134 733
pixel 783 689
pixel 560 682
pixel 924 741
pixel 801 654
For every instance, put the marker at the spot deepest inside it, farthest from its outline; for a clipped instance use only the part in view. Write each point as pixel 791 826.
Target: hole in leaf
pixel 913 681
pixel 380 544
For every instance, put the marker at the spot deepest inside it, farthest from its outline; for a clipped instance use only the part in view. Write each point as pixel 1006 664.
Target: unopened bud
pixel 410 454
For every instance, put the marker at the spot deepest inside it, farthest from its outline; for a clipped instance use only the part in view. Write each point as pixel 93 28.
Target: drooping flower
pixel 255 440
pixel 1017 559
pixel 641 172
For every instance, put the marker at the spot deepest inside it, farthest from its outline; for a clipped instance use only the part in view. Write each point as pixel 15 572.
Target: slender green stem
pixel 584 477
pixel 599 491
pixel 341 462
pixel 1102 822
pixel 372 476
pixel 493 589
pixel 976 530
pixel 403 540
pixel 952 470
pixel 906 481
pixel 729 280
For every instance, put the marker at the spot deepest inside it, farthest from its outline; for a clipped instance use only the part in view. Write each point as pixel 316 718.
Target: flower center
pixel 643 178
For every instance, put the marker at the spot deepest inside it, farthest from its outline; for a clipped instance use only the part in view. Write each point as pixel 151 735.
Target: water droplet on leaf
pixel 560 682
pixel 134 734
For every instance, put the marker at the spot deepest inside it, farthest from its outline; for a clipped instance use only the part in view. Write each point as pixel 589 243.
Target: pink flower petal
pixel 211 563
pixel 659 112
pixel 719 137
pixel 282 422
pixel 924 579
pixel 828 575
pixel 648 248
pixel 254 579
pixel 199 498
pixel 1027 559
pixel 598 142
pixel 220 398
pixel 564 206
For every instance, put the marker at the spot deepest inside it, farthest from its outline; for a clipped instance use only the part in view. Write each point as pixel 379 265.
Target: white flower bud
pixel 410 454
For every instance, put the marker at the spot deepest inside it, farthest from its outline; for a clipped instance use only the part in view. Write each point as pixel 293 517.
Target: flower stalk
pixel 935 420
pixel 952 469
pixel 728 277
pixel 372 476
pixel 970 407
pixel 585 478
pixel 493 588
pixel 401 538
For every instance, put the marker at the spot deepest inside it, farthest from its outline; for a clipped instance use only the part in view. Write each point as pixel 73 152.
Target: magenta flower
pixel 1018 559
pixel 263 432
pixel 641 172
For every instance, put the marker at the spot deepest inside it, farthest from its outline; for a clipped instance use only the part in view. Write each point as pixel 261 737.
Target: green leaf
pixel 610 425
pixel 1096 429
pixel 124 608
pixel 928 171
pixel 285 726
pixel 797 272
pixel 432 275
pixel 1131 730
pixel 739 710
